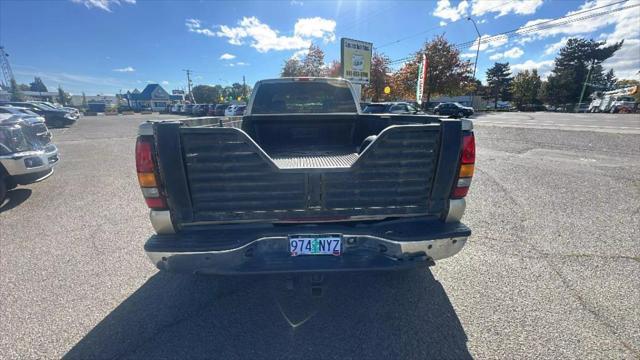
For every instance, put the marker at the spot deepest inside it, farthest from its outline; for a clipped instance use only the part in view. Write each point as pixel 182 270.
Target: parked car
pixel 25 155
pixel 230 110
pixel 211 111
pixel 187 109
pixel 53 117
pixel 220 109
pixel 177 108
pixel 453 109
pixel 34 123
pixel 238 110
pixel 390 108
pixel 308 184
pixel 200 110
pixel 58 107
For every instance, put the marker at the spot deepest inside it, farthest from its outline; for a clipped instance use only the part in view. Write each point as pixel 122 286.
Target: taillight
pixel 465 172
pixel 146 169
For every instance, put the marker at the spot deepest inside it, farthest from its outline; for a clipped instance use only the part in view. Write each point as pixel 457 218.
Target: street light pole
pixel 475 65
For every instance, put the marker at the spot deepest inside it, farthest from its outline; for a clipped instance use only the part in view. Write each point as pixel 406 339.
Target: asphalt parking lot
pixel 551 270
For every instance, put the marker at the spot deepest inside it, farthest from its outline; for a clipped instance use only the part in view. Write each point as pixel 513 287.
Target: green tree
pixel 572 66
pixel 334 69
pixel 313 63
pixel 14 90
pixel 379 77
pixel 525 88
pixel 38 85
pixel 447 74
pixel 404 81
pixel 498 82
pixel 24 87
pixel 205 94
pixel 63 97
pixel 291 68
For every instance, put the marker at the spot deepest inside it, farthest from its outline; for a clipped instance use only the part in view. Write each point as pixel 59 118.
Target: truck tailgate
pixel 220 175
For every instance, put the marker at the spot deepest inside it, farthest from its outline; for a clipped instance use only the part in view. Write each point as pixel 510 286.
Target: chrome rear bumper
pixel 408 244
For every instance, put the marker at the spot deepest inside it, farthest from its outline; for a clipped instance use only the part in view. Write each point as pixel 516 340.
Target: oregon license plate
pixel 308 244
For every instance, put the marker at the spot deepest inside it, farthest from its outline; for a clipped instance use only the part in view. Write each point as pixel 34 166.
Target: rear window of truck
pixel 303 97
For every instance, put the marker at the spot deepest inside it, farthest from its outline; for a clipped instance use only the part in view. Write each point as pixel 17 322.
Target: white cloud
pixel 468 55
pixel 625 61
pixel 512 53
pixel 316 27
pixel 195 26
pixel 295 2
pixel 125 69
pixel 165 82
pixel 103 4
pixel 299 54
pixel 240 63
pixel 264 39
pixel 555 47
pixel 443 23
pixel 487 42
pixel 543 67
pixel 444 10
pixel 227 56
pixel 504 7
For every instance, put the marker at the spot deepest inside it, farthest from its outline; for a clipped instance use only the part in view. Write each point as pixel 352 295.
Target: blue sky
pixel 104 46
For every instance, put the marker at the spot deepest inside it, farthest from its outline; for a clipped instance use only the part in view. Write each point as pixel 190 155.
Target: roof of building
pixel 147 93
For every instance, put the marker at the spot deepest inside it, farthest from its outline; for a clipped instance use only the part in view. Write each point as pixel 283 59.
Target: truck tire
pixel 3 187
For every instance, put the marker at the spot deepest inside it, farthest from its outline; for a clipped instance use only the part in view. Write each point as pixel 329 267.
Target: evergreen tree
pixel 291 68
pixel 313 63
pixel 572 67
pixel 38 85
pixel 498 82
pixel 14 90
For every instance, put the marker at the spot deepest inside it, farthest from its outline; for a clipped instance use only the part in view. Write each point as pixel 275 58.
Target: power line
pixel 436 28
pixel 536 27
pixel 566 20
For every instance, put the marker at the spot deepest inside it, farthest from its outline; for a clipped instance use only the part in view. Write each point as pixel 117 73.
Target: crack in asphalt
pixel 566 283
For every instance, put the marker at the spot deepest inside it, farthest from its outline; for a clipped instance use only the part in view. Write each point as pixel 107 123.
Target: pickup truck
pixel 304 182
pixel 26 152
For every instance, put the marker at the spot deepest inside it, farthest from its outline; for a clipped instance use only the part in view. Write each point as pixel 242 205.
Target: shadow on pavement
pixel 14 198
pixel 358 315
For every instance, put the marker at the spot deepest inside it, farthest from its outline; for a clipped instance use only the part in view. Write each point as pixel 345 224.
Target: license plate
pixel 327 244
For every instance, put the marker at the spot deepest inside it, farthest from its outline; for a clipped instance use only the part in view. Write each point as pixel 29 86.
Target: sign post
pixel 423 67
pixel 355 60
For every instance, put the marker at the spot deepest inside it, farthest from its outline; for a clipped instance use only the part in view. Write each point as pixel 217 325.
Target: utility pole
pixel 584 86
pixel 244 89
pixel 475 64
pixel 188 71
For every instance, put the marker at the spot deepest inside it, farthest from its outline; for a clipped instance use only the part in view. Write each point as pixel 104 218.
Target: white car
pixel 20 111
pixel 230 111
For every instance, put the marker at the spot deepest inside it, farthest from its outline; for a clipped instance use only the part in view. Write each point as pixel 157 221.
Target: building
pixel 153 97
pixel 109 101
pixel 31 95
